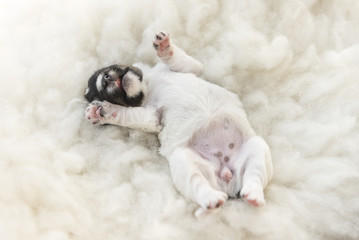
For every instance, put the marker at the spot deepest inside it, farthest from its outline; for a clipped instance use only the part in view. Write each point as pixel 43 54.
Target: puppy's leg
pixel 258 170
pixel 145 119
pixel 173 56
pixel 194 177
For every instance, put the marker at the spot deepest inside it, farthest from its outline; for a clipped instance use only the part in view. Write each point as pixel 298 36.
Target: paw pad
pixel 161 42
pixel 254 198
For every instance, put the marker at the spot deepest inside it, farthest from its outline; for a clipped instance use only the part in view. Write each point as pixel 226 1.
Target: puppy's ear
pixel 91 96
pixel 136 71
pixel 91 92
pixel 88 96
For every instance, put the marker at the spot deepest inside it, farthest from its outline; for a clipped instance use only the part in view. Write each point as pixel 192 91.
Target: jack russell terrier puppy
pixel 212 150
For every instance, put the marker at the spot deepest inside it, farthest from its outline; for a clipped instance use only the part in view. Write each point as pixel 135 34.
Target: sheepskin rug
pixel 294 64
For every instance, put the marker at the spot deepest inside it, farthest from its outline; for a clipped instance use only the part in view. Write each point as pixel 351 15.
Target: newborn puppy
pixel 212 150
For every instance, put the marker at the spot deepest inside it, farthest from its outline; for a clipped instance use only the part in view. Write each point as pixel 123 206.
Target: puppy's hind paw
pixel 213 199
pixel 212 203
pixel 254 197
pixel 161 43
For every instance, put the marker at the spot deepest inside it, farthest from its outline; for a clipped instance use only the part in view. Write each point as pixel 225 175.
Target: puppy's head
pixel 116 84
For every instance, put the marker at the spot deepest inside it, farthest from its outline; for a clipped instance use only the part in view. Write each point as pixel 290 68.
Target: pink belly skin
pixel 219 144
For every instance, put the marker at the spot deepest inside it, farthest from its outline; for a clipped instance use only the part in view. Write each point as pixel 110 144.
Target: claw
pixel 98 112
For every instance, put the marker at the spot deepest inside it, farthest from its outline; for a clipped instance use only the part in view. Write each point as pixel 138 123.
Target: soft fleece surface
pixel 294 64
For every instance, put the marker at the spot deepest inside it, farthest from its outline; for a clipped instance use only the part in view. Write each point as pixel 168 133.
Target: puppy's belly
pixel 219 143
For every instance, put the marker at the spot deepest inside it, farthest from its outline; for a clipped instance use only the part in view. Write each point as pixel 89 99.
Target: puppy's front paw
pixel 161 42
pixel 93 113
pixel 99 112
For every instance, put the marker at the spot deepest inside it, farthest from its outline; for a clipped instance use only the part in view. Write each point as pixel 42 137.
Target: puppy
pixel 212 150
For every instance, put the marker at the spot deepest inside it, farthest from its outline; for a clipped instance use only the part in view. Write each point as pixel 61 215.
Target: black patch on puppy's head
pixel 117 84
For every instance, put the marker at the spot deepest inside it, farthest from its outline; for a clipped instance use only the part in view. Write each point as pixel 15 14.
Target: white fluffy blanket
pixel 294 64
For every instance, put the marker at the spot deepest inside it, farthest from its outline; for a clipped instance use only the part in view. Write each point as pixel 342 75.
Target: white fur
pixel 145 119
pixel 181 62
pixel 193 112
pixel 99 82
